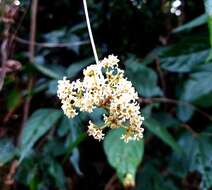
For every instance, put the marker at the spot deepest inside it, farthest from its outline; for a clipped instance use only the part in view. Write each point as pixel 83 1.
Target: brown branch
pixel 27 102
pixel 161 75
pixel 4 54
pixel 52 45
pixel 187 127
pixel 173 101
pixel 17 28
pixel 9 180
pixel 33 30
pixel 31 58
pixel 109 185
pixel 3 62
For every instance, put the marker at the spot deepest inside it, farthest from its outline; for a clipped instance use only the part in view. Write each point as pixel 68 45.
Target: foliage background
pixel 168 59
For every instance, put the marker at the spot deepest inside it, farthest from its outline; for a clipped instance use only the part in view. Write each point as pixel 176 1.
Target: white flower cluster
pixel 105 86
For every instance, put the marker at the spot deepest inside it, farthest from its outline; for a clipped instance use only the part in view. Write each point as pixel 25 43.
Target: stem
pixel 33 31
pixel 178 102
pixel 51 45
pixel 4 53
pixel 33 25
pixel 90 31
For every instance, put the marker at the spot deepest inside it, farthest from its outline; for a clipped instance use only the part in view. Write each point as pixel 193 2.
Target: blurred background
pixel 164 47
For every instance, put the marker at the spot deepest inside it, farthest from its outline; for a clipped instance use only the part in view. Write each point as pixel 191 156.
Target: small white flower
pixel 95 132
pixel 110 90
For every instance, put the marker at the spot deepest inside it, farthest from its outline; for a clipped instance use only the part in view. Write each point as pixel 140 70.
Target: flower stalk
pixel 90 31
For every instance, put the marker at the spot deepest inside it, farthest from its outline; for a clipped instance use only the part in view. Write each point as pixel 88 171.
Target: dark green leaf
pixel 124 157
pixel 184 112
pixel 52 87
pixel 166 119
pixel 7 151
pixel 197 158
pixel 75 136
pixel 76 67
pixel 37 125
pixel 144 79
pixel 199 84
pixel 54 36
pixel 162 133
pixel 56 172
pixel 200 20
pixel 187 45
pixel 149 178
pixel 184 63
pixel 55 72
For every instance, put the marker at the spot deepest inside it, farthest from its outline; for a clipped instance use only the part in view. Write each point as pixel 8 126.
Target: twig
pixel 33 30
pixel 11 112
pixel 27 102
pixel 90 31
pixel 19 24
pixel 3 61
pixel 9 180
pixel 51 45
pixel 110 182
pixel 161 75
pixel 173 101
pixel 31 58
pixel 4 54
pixel 194 133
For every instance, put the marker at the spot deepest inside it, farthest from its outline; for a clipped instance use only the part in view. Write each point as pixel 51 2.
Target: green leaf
pixel 54 147
pixel 37 125
pixel 197 157
pixel 52 87
pixel 97 115
pixel 44 69
pixel 197 90
pixel 188 45
pixel 74 159
pixel 74 138
pixel 76 67
pixel 7 151
pixel 199 84
pixel 150 178
pixel 54 36
pixel 160 131
pixel 27 172
pixel 55 72
pixel 144 79
pixel 200 20
pixel 204 101
pixel 124 157
pixel 56 172
pixel 166 119
pixel 184 112
pixel 184 63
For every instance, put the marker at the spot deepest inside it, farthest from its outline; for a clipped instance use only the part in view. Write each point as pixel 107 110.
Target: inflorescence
pixel 104 86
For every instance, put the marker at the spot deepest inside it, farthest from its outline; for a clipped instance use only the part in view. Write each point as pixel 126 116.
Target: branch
pixel 51 45
pixel 4 53
pixel 109 185
pixel 173 101
pixel 4 57
pixel 31 58
pixel 33 30
pixel 161 75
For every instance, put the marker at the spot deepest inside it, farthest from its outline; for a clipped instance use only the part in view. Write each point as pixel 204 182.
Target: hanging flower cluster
pixel 104 86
